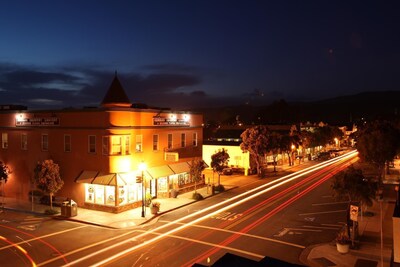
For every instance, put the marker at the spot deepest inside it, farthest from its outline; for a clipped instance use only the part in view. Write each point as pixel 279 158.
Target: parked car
pixel 227 171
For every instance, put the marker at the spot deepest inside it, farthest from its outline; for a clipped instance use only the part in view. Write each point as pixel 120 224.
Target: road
pixel 277 218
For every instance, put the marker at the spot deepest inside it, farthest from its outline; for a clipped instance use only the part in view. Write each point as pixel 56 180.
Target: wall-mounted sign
pixel 172 120
pixel 171 156
pixel 35 121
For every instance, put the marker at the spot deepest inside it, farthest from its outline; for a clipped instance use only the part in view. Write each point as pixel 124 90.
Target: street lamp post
pixel 142 168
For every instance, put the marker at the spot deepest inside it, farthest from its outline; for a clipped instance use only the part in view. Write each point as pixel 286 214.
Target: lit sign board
pixel 171 121
pixel 48 121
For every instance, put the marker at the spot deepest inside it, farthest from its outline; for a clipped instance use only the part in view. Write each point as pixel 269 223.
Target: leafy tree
pixel 196 169
pixel 274 146
pixel 4 173
pixel 286 143
pixel 255 141
pixel 352 185
pixel 378 143
pixel 47 178
pixel 219 161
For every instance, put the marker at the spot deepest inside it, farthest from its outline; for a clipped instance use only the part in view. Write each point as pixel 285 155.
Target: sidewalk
pixel 323 255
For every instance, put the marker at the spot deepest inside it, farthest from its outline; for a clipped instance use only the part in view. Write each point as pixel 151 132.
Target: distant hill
pixel 338 110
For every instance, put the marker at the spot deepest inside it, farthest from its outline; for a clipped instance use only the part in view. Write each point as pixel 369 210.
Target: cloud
pixel 76 87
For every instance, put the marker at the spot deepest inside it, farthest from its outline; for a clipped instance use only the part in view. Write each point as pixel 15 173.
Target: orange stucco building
pixel 99 150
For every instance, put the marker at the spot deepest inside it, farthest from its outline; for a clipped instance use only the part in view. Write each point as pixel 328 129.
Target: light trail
pixel 38 239
pixel 234 237
pixel 24 252
pixel 277 182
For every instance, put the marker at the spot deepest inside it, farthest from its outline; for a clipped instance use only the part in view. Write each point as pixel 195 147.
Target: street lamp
pixel 142 168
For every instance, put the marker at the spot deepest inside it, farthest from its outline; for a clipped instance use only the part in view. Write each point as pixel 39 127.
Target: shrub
pixel 197 196
pixel 50 212
pixel 219 188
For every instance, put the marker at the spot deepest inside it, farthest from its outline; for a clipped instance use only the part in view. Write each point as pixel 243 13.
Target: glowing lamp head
pixel 142 166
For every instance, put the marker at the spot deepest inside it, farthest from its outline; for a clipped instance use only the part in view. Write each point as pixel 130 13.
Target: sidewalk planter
pixel 343 242
pixel 343 248
pixel 154 210
pixel 155 207
pixel 174 193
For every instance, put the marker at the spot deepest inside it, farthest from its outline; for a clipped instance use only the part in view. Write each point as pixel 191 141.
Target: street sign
pixel 353 213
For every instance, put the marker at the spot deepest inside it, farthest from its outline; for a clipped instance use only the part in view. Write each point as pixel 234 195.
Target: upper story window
pixel 170 144
pixel 127 145
pixel 194 139
pixel 67 143
pixel 92 144
pixel 139 143
pixel 45 142
pixel 106 145
pixel 116 145
pixel 183 140
pixel 24 141
pixel 155 142
pixel 4 140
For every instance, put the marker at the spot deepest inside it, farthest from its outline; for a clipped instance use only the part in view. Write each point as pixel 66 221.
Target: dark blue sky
pixel 184 54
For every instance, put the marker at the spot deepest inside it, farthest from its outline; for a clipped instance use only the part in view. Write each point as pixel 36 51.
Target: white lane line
pixel 330 203
pixel 321 212
pixel 43 236
pixel 86 247
pixel 320 227
pixel 332 225
pixel 244 234
pixel 214 245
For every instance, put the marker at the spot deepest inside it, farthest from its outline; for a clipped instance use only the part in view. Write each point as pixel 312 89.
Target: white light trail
pixel 278 182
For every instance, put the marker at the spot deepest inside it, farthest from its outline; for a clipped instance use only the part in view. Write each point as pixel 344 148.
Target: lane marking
pixel 330 203
pixel 243 234
pixel 333 225
pixel 321 212
pixel 320 227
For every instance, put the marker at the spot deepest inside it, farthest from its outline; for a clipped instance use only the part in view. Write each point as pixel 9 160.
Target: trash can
pixel 69 208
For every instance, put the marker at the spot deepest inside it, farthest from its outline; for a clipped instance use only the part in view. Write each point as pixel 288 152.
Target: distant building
pixel 228 137
pixel 99 150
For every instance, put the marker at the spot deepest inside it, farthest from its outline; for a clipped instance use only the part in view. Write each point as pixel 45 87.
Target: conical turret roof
pixel 116 96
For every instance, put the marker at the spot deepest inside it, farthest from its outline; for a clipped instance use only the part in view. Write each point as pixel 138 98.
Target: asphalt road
pixel 276 217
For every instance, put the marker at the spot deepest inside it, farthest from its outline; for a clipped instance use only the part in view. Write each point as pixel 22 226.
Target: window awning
pixel 104 179
pixel 95 177
pixel 180 167
pixel 205 164
pixel 160 171
pixel 86 177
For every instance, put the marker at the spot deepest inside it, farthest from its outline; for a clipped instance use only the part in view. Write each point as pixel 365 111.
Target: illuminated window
pixel 106 144
pixel 183 140
pixel 170 141
pixel 92 144
pixel 116 145
pixel 127 145
pixel 194 139
pixel 155 142
pixel 24 141
pixel 4 140
pixel 45 142
pixel 67 143
pixel 139 143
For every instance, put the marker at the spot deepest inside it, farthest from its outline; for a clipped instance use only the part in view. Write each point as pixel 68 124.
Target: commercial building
pixel 99 150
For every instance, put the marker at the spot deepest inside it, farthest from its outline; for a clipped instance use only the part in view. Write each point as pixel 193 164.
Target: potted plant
pixel 343 242
pixel 155 207
pixel 174 193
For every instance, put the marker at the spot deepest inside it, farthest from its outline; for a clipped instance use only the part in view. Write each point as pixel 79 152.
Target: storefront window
pixel 122 195
pixel 99 194
pixel 89 193
pixel 162 184
pixel 110 195
pixel 133 192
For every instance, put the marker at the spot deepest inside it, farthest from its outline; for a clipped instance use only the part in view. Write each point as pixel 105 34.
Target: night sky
pixel 182 54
